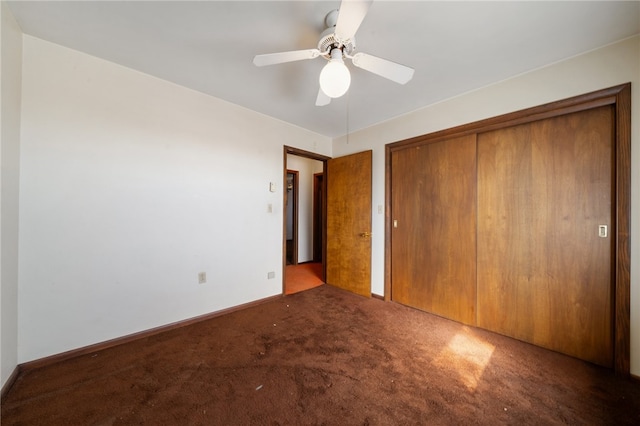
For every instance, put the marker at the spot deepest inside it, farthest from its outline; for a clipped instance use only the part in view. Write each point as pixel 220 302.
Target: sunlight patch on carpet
pixel 468 356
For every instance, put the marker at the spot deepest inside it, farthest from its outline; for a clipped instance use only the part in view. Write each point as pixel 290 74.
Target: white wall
pixel 10 88
pixel 129 188
pixel 612 65
pixel 306 168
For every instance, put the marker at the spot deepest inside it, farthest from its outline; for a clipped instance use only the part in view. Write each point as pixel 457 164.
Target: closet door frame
pixel 620 98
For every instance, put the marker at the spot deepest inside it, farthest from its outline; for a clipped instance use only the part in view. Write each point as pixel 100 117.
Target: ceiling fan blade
pixel 382 67
pixel 350 16
pixel 282 57
pixel 322 98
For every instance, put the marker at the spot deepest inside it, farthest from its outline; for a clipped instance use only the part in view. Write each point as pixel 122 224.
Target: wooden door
pixel 433 235
pixel 348 262
pixel 544 262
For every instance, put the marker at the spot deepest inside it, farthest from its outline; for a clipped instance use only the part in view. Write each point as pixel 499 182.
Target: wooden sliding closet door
pixel 433 239
pixel 544 256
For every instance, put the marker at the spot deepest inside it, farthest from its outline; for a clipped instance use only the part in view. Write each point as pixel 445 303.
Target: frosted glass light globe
pixel 335 78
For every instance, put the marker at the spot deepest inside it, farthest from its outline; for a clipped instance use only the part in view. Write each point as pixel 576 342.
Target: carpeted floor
pixel 323 357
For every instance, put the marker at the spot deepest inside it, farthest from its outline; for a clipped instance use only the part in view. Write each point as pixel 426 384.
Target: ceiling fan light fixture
pixel 337 42
pixel 335 77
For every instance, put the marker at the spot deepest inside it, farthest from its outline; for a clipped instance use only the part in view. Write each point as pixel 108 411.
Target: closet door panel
pixel 544 261
pixel 433 238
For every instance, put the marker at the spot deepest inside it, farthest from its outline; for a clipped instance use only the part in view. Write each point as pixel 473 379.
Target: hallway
pixel 303 276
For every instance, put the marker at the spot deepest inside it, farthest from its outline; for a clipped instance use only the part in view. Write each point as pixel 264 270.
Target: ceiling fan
pixel 337 42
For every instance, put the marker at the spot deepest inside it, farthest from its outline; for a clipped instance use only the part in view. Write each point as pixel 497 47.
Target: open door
pixel 348 256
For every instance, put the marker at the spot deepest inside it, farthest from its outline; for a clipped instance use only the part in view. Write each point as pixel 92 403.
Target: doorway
pixel 304 212
pixel 345 212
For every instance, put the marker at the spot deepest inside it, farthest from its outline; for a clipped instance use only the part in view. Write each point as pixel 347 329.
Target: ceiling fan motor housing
pixel 329 41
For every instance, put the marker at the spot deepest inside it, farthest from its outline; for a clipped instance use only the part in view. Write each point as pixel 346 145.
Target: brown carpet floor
pixel 323 357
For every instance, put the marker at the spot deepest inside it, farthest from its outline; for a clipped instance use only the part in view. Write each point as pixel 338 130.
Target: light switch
pixel 272 186
pixel 602 231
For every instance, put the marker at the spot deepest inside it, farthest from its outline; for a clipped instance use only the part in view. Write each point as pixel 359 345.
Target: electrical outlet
pixel 202 277
pixel 271 275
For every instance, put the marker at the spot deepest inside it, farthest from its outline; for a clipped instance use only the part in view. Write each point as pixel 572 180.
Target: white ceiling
pixel 209 46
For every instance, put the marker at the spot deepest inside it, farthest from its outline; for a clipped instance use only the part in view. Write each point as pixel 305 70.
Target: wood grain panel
pixel 622 303
pixel 433 246
pixel 348 263
pixel 544 274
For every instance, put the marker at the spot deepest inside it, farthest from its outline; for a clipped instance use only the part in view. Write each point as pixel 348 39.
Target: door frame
pixel 294 212
pixel 314 156
pixel 620 98
pixel 318 215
